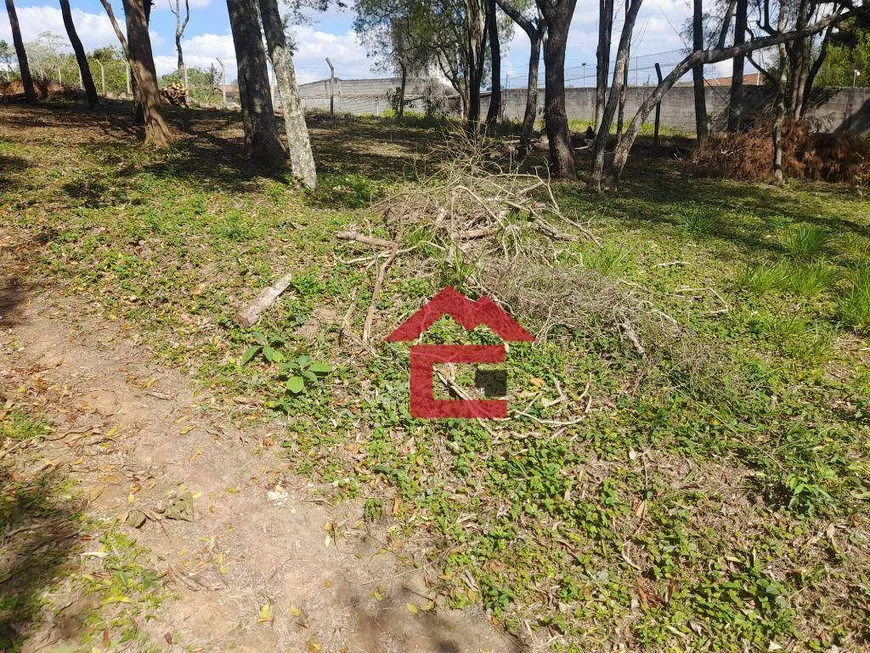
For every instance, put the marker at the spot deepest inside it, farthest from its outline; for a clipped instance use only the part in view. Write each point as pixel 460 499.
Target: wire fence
pixel 641 71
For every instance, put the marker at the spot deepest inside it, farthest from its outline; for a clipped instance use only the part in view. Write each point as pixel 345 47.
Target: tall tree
pixel 698 71
pixel 392 35
pixel 476 35
pixel 449 35
pixel 602 56
pixel 181 20
pixel 495 98
pixel 535 28
pixel 613 99
pixel 557 14
pixel 706 57
pixel 23 66
pixel 298 143
pixel 144 73
pixel 141 60
pixel 81 57
pixel 844 52
pixel 258 114
pixel 779 103
pixel 735 106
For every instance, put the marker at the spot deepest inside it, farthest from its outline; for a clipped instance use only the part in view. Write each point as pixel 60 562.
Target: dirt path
pixel 136 434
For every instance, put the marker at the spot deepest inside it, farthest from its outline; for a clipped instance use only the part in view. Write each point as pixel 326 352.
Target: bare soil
pixel 135 433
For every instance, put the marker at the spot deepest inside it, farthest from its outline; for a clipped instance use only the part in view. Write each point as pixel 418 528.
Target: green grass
pixel 806 241
pixel 689 508
pixel 854 305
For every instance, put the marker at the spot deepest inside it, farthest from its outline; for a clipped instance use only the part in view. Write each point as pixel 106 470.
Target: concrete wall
pixel 359 96
pixel 836 109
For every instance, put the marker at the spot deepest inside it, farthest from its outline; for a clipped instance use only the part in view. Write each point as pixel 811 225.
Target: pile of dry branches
pixel 175 94
pixel 504 228
pixel 807 154
pixel 578 299
pixel 474 205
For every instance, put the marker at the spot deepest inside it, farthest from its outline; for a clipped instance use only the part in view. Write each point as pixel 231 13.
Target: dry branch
pixel 250 316
pixel 362 238
pixel 376 291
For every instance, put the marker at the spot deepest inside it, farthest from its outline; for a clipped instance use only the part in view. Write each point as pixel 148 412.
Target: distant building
pixel 754 79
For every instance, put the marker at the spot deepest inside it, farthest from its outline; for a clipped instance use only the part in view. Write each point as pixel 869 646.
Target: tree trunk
pixel 81 57
pixel 180 26
pixel 400 105
pixel 602 57
pixel 735 108
pixel 558 16
pixel 712 56
pixel 142 64
pixel 23 66
pixel 814 71
pixel 603 134
pixel 531 112
pixel 535 31
pixel 495 99
pixel 698 72
pixel 623 91
pixel 182 69
pixel 476 40
pixel 779 108
pixel 258 114
pixel 298 143
pixel 801 53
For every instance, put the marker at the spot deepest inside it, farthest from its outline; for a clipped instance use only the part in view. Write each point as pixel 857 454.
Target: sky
pixel 331 35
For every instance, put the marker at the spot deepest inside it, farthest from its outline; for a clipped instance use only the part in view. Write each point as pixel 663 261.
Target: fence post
pixel 223 83
pixel 102 75
pixel 59 76
pixel 331 87
pixel 658 108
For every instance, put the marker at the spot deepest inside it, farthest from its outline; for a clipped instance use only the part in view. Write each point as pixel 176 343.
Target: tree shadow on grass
pixel 745 215
pixel 9 167
pixel 389 623
pixel 38 538
pixel 13 292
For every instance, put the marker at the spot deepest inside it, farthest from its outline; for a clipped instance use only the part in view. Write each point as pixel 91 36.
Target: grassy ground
pixel 715 494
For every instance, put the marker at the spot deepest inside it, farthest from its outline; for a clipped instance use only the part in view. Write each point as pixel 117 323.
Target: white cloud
pixel 202 51
pixel 94 30
pixel 344 50
pixel 346 54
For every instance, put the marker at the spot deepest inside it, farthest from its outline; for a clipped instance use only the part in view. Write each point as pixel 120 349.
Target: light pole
pixel 583 65
pixel 855 75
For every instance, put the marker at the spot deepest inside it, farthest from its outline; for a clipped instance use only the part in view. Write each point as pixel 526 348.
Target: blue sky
pixel 208 37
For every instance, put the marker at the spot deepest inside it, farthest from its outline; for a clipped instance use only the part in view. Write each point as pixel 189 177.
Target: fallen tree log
pixel 251 315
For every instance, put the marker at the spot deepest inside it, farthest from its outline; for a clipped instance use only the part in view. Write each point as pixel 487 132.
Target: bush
pixel 807 154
